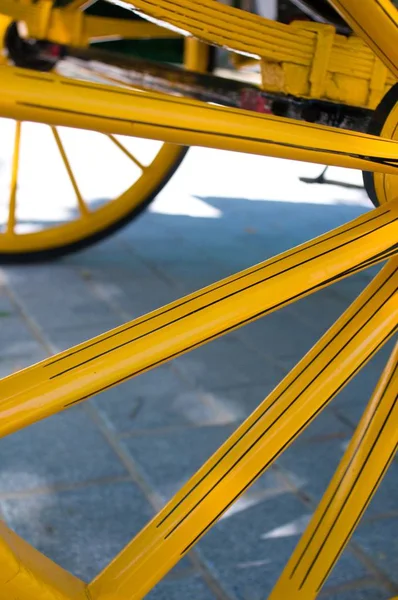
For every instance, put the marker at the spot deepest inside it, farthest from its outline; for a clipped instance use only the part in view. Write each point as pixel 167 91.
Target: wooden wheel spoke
pixel 126 152
pixel 14 180
pixel 82 205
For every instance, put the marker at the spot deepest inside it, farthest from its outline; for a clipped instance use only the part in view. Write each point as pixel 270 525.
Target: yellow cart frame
pixel 76 374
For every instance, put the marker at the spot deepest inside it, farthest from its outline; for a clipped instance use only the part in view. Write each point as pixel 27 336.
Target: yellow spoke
pixel 126 152
pixel 82 205
pixel 14 179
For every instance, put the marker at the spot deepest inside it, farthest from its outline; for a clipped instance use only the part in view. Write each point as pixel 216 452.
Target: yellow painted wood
pixel 56 100
pixel 343 69
pixel 304 59
pixel 26 574
pixel 376 21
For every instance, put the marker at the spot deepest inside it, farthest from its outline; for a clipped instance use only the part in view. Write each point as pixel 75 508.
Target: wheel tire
pixel 376 126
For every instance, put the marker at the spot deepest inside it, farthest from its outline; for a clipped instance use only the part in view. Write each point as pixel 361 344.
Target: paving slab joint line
pixel 343 419
pixel 37 333
pixel 166 430
pixel 157 271
pixel 63 487
pixel 286 481
pixel 379 574
pixel 354 584
pixel 392 514
pixel 94 288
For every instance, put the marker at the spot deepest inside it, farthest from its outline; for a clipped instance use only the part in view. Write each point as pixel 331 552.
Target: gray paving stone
pixel 12 364
pixel 223 363
pixel 16 339
pixel 310 465
pixel 83 529
pixel 143 300
pixel 7 308
pixel 385 500
pixel 379 541
pixel 325 426
pixel 78 311
pixel 349 288
pixel 134 289
pixel 347 569
pixel 33 281
pixel 321 309
pixel 248 550
pixel 64 449
pixel 236 403
pixel 54 296
pixel 168 460
pixel 179 262
pixel 151 228
pixel 280 335
pixel 192 587
pixel 109 255
pixel 156 399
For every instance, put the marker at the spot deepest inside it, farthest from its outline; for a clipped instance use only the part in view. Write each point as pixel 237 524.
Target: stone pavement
pixel 78 485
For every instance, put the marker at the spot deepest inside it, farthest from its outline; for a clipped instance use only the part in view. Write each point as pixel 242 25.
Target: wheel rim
pixel 386 186
pixel 23 231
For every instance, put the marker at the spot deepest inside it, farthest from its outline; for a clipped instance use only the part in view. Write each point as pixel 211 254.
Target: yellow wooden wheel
pixel 63 189
pixel 382 187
